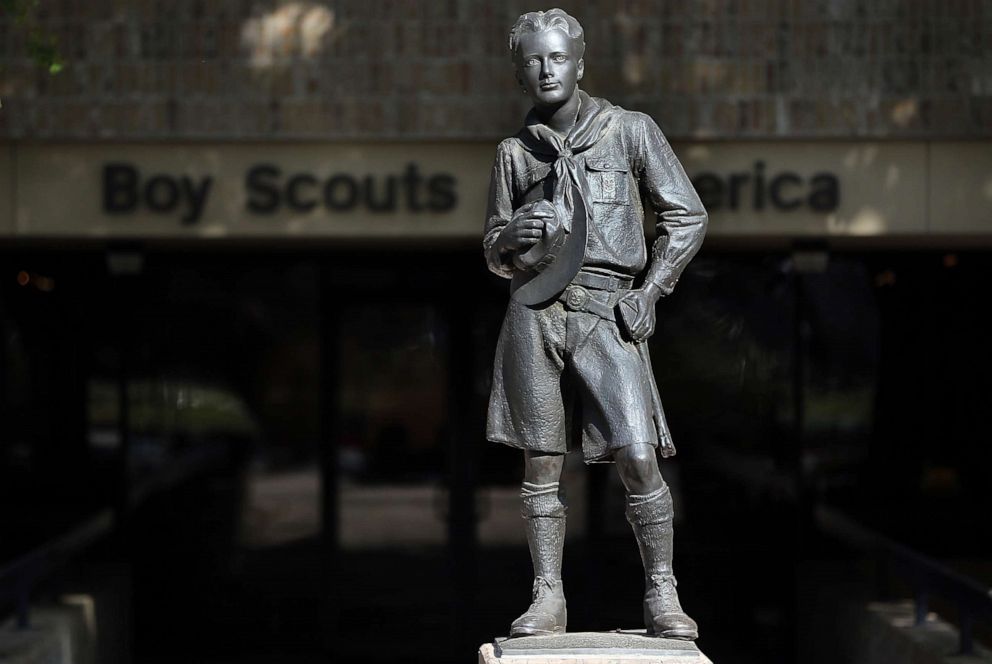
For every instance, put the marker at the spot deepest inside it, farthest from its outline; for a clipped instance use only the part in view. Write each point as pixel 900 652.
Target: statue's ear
pixel 580 68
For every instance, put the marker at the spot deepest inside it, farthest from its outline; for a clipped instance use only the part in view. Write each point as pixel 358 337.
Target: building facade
pixel 254 226
pixel 725 69
pixel 879 99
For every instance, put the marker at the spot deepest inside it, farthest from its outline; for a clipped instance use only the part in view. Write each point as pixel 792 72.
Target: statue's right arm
pixel 499 211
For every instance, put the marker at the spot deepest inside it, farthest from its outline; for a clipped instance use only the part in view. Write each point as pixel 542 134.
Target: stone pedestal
pixel 618 647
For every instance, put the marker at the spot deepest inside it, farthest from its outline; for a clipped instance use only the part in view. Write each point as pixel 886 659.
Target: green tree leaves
pixel 41 46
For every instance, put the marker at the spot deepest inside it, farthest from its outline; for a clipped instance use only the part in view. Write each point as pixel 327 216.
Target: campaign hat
pixel 546 268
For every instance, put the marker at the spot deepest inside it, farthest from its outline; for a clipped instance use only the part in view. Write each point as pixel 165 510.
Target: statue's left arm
pixel 680 219
pixel 680 216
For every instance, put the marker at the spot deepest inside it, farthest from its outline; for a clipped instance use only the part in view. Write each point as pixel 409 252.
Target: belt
pixel 577 298
pixel 597 281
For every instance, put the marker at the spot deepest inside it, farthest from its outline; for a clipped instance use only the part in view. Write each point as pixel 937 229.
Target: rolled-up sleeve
pixel 499 210
pixel 681 218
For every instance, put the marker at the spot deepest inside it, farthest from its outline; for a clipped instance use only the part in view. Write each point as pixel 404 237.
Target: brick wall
pixel 439 68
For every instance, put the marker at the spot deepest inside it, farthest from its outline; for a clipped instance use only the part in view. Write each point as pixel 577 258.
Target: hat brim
pixel 531 287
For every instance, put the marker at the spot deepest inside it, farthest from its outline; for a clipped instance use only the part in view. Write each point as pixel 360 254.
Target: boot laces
pixel 661 580
pixel 542 587
pixel 665 584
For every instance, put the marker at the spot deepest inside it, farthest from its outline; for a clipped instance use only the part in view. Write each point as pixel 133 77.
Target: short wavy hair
pixel 553 19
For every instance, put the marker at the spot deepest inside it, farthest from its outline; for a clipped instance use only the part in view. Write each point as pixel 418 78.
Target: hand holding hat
pixel 551 236
pixel 525 230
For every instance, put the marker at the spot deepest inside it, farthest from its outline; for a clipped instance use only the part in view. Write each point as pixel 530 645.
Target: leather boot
pixel 650 515
pixel 544 515
pixel 663 615
pixel 547 613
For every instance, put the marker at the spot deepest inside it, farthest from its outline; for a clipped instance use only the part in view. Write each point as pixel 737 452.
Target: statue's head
pixel 547 49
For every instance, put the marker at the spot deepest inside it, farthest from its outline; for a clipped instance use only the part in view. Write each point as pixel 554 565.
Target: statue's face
pixel 547 67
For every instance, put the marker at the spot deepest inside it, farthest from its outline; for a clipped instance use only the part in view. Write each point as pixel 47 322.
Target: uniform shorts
pixel 562 374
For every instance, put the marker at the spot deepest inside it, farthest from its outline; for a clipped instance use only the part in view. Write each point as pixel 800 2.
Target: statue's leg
pixel 650 512
pixel 543 510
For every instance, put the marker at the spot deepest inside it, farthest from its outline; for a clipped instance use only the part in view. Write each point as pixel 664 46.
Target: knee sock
pixel 543 511
pixel 650 515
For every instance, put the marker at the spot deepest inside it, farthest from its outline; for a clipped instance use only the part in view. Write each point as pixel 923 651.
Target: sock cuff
pixel 542 500
pixel 650 508
pixel 530 489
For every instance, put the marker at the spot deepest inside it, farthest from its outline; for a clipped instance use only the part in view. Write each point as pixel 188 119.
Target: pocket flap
pixel 606 164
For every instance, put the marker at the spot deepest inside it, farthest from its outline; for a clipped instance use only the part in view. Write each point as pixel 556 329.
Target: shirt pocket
pixel 608 180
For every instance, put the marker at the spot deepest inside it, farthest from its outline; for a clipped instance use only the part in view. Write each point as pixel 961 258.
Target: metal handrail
pixel 925 575
pixel 19 578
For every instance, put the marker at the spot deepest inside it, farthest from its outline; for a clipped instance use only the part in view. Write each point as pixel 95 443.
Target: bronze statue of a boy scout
pixel 565 224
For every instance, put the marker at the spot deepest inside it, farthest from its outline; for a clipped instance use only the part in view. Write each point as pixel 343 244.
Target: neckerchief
pixel 591 122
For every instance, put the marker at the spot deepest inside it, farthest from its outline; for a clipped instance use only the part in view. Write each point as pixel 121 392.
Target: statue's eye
pixel 560 57
pixel 531 62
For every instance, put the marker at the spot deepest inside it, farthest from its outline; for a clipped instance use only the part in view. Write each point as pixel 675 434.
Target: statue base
pixel 617 647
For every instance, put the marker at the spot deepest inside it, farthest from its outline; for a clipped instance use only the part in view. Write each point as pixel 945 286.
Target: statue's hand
pixel 524 230
pixel 643 300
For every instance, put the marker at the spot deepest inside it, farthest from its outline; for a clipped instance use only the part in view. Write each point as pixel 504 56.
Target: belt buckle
pixel 576 298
